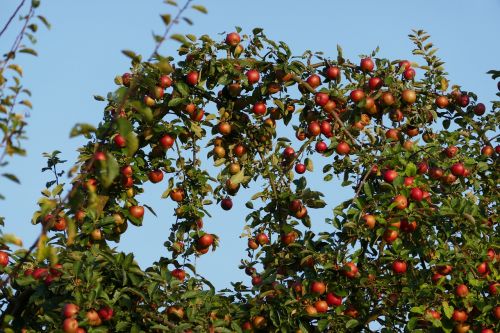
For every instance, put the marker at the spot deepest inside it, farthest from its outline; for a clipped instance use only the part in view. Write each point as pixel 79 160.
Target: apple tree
pixel 415 248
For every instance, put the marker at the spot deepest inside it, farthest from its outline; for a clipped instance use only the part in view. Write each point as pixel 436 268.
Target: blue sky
pixel 81 55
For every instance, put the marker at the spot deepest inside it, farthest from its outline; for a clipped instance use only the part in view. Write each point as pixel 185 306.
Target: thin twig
pixel 12 17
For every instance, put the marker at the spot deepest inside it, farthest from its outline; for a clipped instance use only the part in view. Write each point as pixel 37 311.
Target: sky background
pixel 81 55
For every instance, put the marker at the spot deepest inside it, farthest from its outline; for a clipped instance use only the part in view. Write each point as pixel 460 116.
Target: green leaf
pixel 237 178
pixel 180 38
pixel 411 169
pixel 44 21
pixel 82 129
pixel 166 18
pixel 200 8
pixel 351 323
pixel 132 143
pixel 182 88
pixel 29 51
pixel 11 177
pixel 110 170
pixel 309 164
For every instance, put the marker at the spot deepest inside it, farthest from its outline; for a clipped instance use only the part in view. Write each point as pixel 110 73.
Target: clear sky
pixel 81 55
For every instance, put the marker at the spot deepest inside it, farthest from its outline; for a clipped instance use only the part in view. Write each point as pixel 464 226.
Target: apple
pixel 224 128
pixel 180 274
pixel 314 81
pixel 494 288
pixel 357 95
pixel 321 306
pixel 253 76
pixel 119 141
pixel 332 72
pixel 320 146
pixel 321 99
pixel 408 181
pixel 483 269
pixel 401 200
pixel 409 96
pixel 295 205
pixel 422 167
pixel 343 148
pixel 314 129
pixel 350 270
pixel 40 273
pixel 175 312
pixel 106 313
pixel 70 310
pixel 252 244
pixel 259 108
pixel 432 314
pixel 99 156
pixel 165 81
pixel 149 101
pixel 375 83
pixel 387 98
pixel 256 280
pixel 262 239
pixel 409 74
pixel 416 194
pixel 333 300
pixel 288 152
pixel 463 100
pixel 289 237
pixel 408 227
pixel 126 78
pixel 259 322
pixel 330 107
pixel 367 65
pixel 226 203
pixel 487 330
pixel 233 39
pixel 192 78
pixel 405 64
pixel 461 328
pixel 300 168
pixel 205 241
pixel 126 171
pixel 479 109
pixel 459 315
pixel 318 287
pixel 461 290
pixel 436 173
pixel 177 194
pixel 93 318
pixel 390 235
pixel 487 151
pixel 370 221
pixel 496 312
pixel 136 211
pixel 442 102
pixel 392 134
pixel 390 175
pixel 451 151
pixel 457 169
pixel 70 325
pixel 351 312
pixel 399 267
pixel 155 176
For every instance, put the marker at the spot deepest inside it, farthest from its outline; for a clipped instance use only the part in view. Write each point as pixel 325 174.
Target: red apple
pixel 119 141
pixel 93 318
pixel 367 65
pixel 409 74
pixel 314 81
pixel 333 300
pixel 167 141
pixel 457 169
pixel 192 78
pixel 165 81
pixel 461 290
pixel 136 211
pixel 314 129
pixel 253 76
pixel 401 200
pixel 479 109
pixel 320 146
pixel 416 194
pixel 233 39
pixel 357 95
pixel 180 274
pixel 262 239
pixel 318 287
pixel 375 83
pixel 459 315
pixel 390 175
pixel 321 306
pixel 259 108
pixel 226 203
pixel 300 168
pixel 70 325
pixel 70 310
pixel 332 72
pixel 350 270
pixel 155 176
pixel 4 258
pixel 321 99
pixel 343 148
pixel 105 313
pixel 205 241
pixel 399 267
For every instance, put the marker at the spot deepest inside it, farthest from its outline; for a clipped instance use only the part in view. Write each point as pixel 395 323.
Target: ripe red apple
pixel 399 267
pixel 256 280
pixel 314 81
pixel 333 300
pixel 126 78
pixel 401 200
pixel 332 72
pixel 494 288
pixel 483 269
pixel 70 310
pixel 409 96
pixel 409 74
pixel 70 325
pixel 422 167
pixel 487 330
pixel 463 101
pixel 93 318
pixel 239 150
pixel 375 83
pixel 262 239
pixel 288 152
pixel 487 151
pixel 408 227
pixel 314 129
pixel 226 203
pixel 370 221
pixel 99 156
pixel 408 181
pixel 343 148
pixel 253 76
pixel 259 108
pixel 367 65
pixel 461 290
pixel 436 278
pixel 416 194
pixel 177 194
pixel 295 205
pixel 233 39
pixel 321 306
pixel 459 315
pixel 390 235
pixel 165 81
pixel 442 102
pixel 318 287
pixel 105 313
pixel 357 95
pixel 205 241
pixel 300 168
pixel 457 169
pixel 40 273
pixel 479 109
pixel 120 141
pixel 192 78
pixel 167 141
pixel 4 258
pixel 136 211
pixel 321 99
pixel 252 244
pixel 155 176
pixel 405 64
pixel 392 134
pixel 451 151
pixel 320 146
pixel 436 173
pixel 224 128
pixel 289 238
pixel 179 273
pixel 433 314
pixel 387 98
pixel 350 270
pixel 496 312
pixel 390 175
